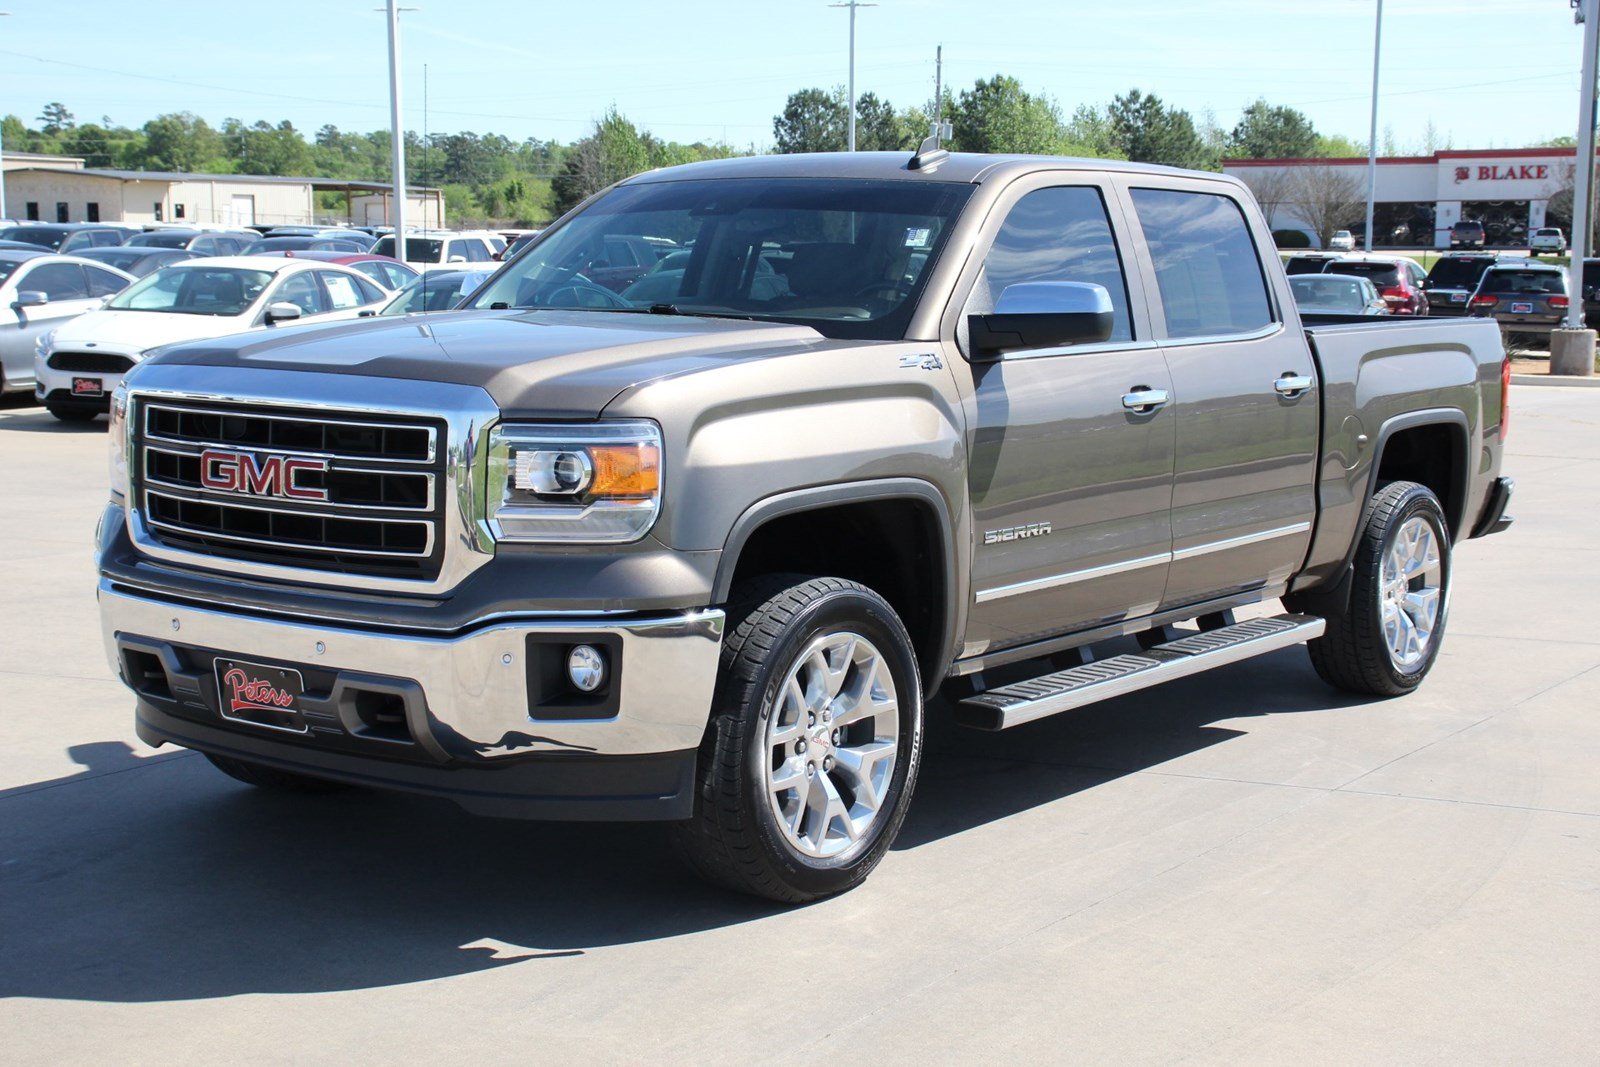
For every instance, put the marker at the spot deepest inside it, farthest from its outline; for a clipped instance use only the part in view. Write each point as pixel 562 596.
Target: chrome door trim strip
pixel 1051 581
pixel 1241 541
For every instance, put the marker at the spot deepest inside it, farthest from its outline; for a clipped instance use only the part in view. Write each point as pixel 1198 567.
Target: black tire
pixel 734 838
pixel 69 414
pixel 272 779
pixel 1353 653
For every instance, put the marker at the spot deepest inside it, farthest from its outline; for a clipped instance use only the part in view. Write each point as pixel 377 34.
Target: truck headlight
pixel 574 484
pixel 117 440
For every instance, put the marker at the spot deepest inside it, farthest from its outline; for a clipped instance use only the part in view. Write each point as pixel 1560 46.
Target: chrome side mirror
pixel 1043 315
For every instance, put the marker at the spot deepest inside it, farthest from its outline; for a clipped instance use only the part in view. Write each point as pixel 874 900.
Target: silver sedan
pixel 38 292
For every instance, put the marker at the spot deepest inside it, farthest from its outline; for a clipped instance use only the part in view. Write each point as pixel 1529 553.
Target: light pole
pixel 397 129
pixel 1372 136
pixel 852 5
pixel 3 214
pixel 1571 345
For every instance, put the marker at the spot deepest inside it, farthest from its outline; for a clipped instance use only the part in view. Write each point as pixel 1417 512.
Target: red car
pixel 1398 280
pixel 389 273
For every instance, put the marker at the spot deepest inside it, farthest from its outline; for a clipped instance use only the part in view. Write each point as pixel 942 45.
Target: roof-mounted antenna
pixel 929 154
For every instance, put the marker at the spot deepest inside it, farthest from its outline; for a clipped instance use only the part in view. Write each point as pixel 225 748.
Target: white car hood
pixel 131 332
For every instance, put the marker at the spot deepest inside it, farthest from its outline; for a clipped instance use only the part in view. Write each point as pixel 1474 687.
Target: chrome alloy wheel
pixel 1410 593
pixel 831 744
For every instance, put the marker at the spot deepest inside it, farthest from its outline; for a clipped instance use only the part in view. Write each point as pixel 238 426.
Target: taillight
pixel 1558 301
pixel 1505 397
pixel 1485 301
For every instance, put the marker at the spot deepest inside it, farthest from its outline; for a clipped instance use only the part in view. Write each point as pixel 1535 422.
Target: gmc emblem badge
pixel 248 474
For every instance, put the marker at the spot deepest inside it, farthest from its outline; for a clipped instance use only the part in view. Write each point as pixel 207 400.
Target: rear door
pixel 1070 488
pixel 1246 393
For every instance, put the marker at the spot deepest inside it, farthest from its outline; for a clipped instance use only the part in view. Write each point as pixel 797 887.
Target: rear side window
pixel 1056 235
pixel 103 282
pixel 1206 266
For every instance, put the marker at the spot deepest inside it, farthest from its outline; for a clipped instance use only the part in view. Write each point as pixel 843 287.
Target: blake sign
pixel 1504 172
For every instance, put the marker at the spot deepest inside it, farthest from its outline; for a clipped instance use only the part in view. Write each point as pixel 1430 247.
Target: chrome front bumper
pixel 468 694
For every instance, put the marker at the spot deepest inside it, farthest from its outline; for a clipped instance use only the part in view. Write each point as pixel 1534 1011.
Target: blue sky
pixel 1487 73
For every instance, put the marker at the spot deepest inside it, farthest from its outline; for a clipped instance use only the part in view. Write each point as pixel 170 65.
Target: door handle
pixel 1292 385
pixel 1143 399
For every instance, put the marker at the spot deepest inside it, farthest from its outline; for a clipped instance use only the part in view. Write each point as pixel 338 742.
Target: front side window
pixel 1205 261
pixel 1056 235
pixel 847 257
pixel 302 291
pixel 194 291
pixel 58 281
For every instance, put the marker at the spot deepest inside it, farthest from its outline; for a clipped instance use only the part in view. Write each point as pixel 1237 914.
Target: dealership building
pixel 42 188
pixel 1418 198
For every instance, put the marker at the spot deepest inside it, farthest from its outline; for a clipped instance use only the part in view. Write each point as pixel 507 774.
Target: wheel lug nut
pixel 827 764
pixel 799 746
pixel 810 771
pixel 836 737
pixel 811 718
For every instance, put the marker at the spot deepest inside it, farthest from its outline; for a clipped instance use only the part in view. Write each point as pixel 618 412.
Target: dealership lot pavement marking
pixel 1246 865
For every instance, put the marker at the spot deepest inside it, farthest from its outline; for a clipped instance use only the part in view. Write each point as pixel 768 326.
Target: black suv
pixel 1452 280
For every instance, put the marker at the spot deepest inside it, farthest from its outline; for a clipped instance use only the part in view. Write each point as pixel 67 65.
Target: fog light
pixel 586 668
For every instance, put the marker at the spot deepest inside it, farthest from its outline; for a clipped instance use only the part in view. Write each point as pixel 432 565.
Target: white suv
pixel 438 249
pixel 1343 241
pixel 1547 239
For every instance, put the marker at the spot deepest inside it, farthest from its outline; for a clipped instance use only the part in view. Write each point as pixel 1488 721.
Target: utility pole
pixel 1372 136
pixel 852 5
pixel 938 91
pixel 427 148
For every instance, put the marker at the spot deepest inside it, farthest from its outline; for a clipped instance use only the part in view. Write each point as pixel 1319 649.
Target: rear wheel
pixel 271 778
pixel 816 733
pixel 1385 640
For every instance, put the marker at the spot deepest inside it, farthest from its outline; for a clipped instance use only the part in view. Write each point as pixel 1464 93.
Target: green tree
pixel 1338 146
pixel 1147 131
pixel 180 141
pixel 262 148
pixel 998 115
pixel 813 120
pixel 613 151
pixel 1268 132
pixel 879 128
pixel 55 118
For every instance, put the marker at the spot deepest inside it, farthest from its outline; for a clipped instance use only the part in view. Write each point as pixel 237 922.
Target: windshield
pixel 194 291
pixel 36 235
pixel 1548 233
pixel 1457 273
pixel 1328 291
pixel 158 239
pixel 1525 281
pixel 418 249
pixel 434 292
pixel 1379 274
pixel 847 257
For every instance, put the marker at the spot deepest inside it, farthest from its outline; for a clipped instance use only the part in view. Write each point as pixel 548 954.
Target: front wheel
pixel 1385 640
pixel 811 755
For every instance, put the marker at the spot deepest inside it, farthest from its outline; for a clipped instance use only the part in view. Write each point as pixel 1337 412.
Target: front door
pixel 67 293
pixel 1248 413
pixel 1070 488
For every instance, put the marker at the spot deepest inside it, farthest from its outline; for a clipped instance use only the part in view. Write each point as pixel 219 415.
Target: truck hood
pixel 533 363
pixel 132 332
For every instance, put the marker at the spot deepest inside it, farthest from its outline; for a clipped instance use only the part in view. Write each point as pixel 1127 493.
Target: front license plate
pixel 260 695
pixel 1521 308
pixel 88 387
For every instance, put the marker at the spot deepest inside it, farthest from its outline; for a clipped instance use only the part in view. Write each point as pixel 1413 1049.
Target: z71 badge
pixel 1016 533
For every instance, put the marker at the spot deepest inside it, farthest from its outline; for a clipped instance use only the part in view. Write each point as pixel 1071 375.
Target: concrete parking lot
pixel 1244 865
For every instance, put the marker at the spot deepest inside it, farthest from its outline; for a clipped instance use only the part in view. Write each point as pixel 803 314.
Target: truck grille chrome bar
pixel 364 499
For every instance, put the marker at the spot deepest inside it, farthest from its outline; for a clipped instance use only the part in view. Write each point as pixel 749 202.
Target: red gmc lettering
pixel 242 472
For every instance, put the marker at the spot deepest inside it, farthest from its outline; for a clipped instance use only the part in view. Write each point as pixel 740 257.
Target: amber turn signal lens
pixel 625 470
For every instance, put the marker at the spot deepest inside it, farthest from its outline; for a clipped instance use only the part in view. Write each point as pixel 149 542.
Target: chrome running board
pixel 1052 694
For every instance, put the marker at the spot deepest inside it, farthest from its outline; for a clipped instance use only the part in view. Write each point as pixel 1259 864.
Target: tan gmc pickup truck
pixel 700 497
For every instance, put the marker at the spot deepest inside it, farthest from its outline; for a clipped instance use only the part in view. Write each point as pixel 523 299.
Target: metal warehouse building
pixel 59 191
pixel 1420 197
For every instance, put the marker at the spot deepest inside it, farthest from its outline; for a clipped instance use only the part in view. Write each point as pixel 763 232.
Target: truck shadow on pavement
pixel 159 879
pixel 17 418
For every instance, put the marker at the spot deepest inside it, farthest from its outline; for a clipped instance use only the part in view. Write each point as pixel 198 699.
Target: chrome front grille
pixel 369 500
